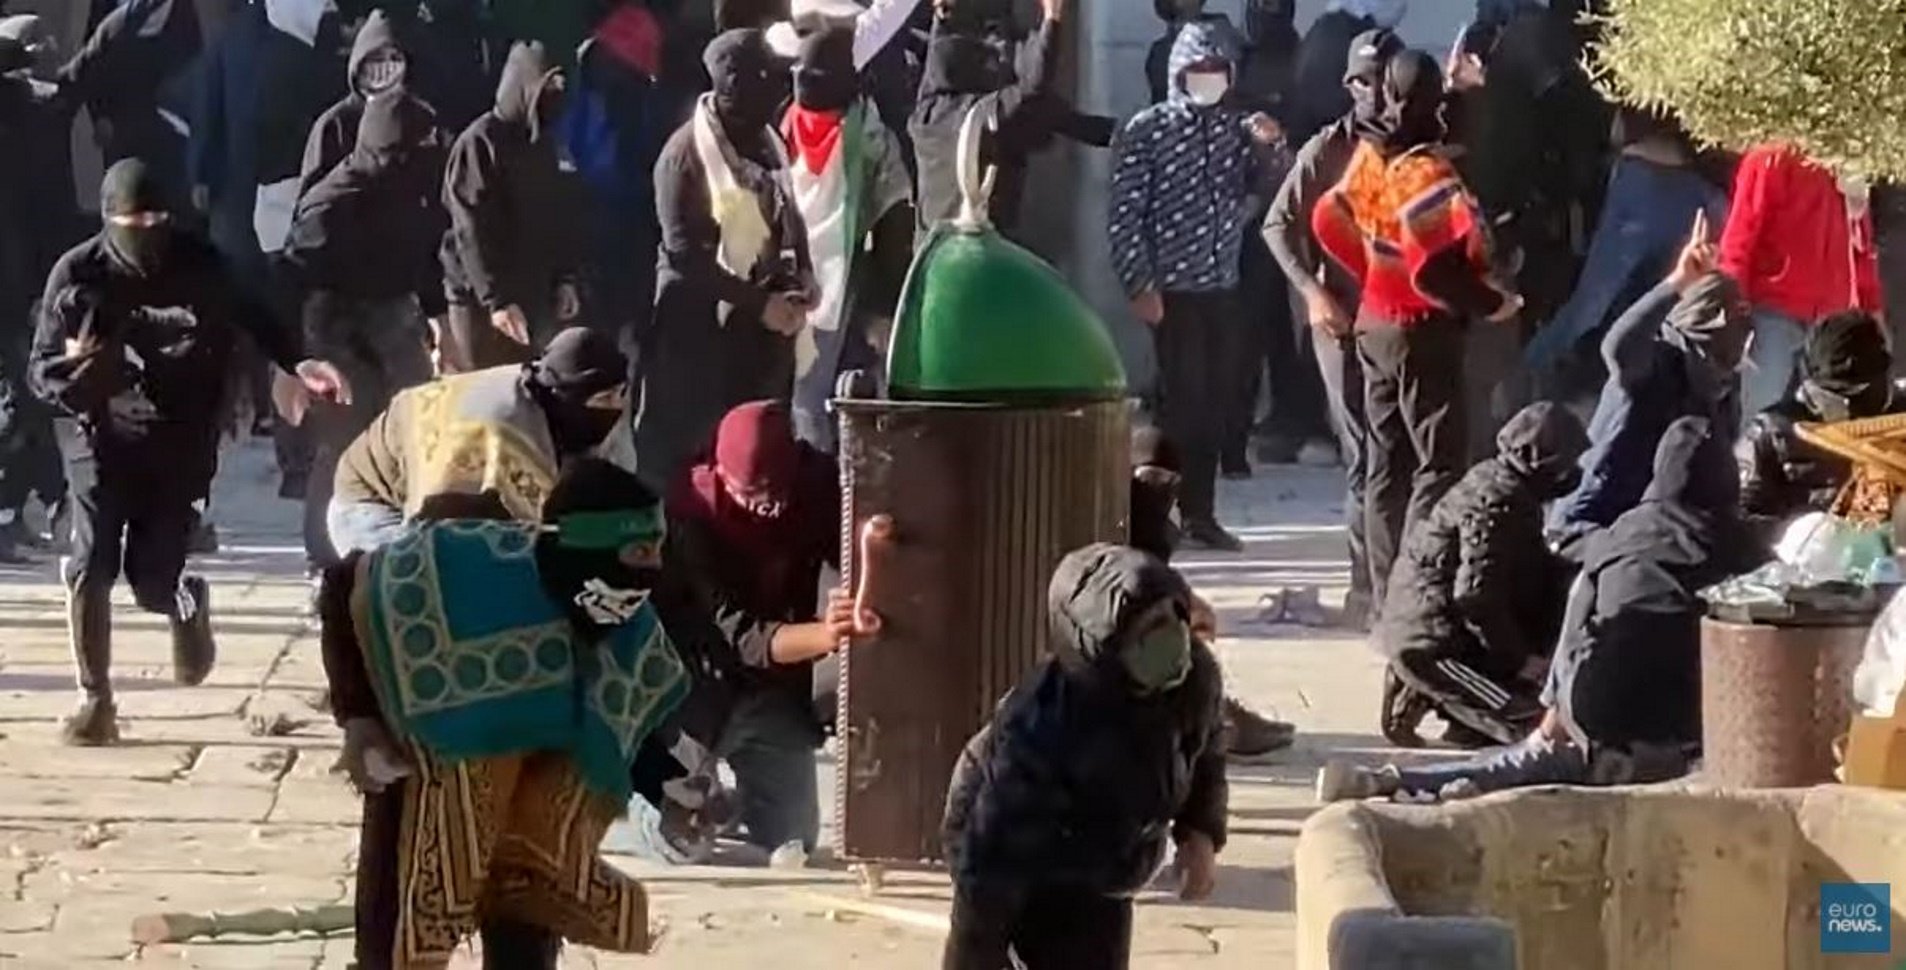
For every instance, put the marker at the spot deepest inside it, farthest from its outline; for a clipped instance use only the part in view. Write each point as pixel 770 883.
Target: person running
pixel 135 337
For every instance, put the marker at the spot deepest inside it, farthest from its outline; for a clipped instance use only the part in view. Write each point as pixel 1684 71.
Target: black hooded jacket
pixel 962 71
pixel 515 225
pixel 150 389
pixel 1077 782
pixel 1630 654
pixel 370 229
pixel 1475 579
pixel 334 134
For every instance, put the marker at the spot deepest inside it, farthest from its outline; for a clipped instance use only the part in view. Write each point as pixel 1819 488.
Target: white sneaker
pixel 1341 781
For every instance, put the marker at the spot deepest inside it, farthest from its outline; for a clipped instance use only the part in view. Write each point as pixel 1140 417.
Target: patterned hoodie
pixel 1185 182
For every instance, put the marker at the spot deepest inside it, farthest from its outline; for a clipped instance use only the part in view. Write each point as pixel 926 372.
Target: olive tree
pixel 1827 76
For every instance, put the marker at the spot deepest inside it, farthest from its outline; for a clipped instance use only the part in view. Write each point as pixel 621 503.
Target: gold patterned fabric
pixel 510 836
pixel 463 434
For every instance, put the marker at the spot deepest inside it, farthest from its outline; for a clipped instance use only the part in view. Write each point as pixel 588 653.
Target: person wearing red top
pixel 1801 248
pixel 1402 223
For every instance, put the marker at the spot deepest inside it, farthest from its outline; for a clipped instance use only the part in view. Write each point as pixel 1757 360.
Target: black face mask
pixel 141 249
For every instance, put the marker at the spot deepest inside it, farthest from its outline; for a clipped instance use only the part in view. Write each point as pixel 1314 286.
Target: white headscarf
pixel 1386 13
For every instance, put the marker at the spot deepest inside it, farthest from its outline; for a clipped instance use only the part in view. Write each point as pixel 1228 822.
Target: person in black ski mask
pixel 734 283
pixel 380 67
pixel 969 62
pixel 516 242
pixel 1845 373
pixel 135 338
pixel 363 253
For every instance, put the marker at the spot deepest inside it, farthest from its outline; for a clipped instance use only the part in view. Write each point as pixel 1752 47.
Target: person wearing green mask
pixel 1108 752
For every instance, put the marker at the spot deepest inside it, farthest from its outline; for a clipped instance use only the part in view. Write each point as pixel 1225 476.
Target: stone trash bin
pixel 1773 701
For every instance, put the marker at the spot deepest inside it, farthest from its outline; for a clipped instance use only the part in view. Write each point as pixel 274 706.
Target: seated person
pixel 1845 373
pixel 1625 689
pixel 1154 529
pixel 1476 598
pixel 495 734
pixel 1060 809
pixel 1675 352
pixel 504 429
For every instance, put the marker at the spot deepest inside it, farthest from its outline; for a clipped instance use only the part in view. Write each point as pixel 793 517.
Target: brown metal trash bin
pixel 985 501
pixel 1773 700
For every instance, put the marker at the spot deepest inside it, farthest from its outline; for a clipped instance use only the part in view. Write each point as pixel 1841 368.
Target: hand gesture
pixel 370 758
pixel 1149 307
pixel 1204 620
pixel 1197 867
pixel 1466 73
pixel 1698 258
pixel 843 620
pixel 1053 9
pixel 1264 129
pixel 1511 305
pixel 783 314
pixel 1326 315
pixel 568 302
pixel 323 379
pixel 85 344
pixel 511 321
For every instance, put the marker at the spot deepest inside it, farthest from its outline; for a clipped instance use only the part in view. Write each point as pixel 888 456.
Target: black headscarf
pixel 1847 367
pixel 824 75
pixel 131 187
pixel 1370 55
pixel 1544 442
pixel 1156 469
pixel 749 83
pixel 1711 321
pixel 1405 108
pixel 966 62
pixel 579 364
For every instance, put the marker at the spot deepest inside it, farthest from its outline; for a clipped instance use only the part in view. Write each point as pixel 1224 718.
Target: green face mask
pixel 1160 659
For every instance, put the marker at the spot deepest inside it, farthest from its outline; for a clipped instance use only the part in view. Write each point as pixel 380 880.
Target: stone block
pixel 241 765
pixel 325 801
pixel 33 757
pixel 96 799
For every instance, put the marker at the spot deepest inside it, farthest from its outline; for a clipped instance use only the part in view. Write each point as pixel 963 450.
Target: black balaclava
pixel 130 188
pixel 748 81
pixel 594 487
pixel 1544 443
pixel 579 364
pixel 824 75
pixel 1405 108
pixel 1097 603
pixel 1711 321
pixel 1847 367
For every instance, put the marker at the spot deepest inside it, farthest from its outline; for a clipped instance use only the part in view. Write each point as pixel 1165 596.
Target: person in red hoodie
pixel 1402 223
pixel 1799 242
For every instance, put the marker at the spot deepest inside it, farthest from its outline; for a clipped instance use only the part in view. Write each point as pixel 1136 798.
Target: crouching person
pixel 1476 598
pixel 494 731
pixel 1625 691
pixel 1062 808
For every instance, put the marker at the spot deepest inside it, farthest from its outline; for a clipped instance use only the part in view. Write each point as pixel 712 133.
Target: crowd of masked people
pixel 569 285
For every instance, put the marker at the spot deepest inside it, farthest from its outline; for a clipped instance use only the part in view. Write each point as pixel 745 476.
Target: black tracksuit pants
pixel 1045 927
pixel 1414 413
pixel 131 516
pixel 1200 348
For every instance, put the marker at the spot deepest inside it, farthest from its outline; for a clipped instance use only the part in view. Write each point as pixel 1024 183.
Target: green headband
pixel 610 529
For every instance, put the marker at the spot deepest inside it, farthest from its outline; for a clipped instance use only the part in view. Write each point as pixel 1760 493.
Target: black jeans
pixel 1413 400
pixel 1277 342
pixel 1199 345
pixel 1046 928
pixel 379 345
pixel 1503 708
pixel 1342 372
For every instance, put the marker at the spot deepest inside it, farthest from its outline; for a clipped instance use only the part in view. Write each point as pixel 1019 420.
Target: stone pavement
pixel 195 813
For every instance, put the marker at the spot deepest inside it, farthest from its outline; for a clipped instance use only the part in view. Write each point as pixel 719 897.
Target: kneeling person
pixel 1476 596
pixel 496 682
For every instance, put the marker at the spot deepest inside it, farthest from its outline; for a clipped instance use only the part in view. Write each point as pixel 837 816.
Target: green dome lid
pixel 983 319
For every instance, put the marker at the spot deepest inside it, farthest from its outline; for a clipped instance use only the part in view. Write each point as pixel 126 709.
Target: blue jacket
pixel 1185 182
pixel 1648 389
pixel 222 154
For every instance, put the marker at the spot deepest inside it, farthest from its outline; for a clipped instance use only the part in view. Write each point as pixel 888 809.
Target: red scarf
pixel 814 134
pixel 633 36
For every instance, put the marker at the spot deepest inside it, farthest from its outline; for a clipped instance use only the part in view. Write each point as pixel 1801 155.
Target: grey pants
pixel 380 347
pixel 769 743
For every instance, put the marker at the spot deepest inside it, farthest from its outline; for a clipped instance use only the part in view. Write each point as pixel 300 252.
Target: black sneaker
pixel 193 650
pixel 1403 710
pixel 1208 534
pixel 1248 734
pixel 203 540
pixel 95 724
pixel 1234 466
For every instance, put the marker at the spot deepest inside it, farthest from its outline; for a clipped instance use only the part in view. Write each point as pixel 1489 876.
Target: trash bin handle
pixel 876 532
pixel 975 182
